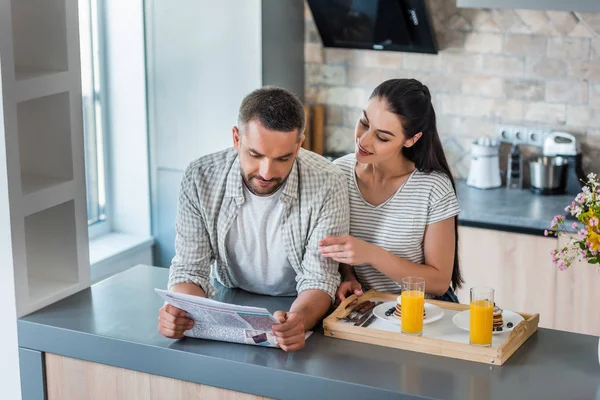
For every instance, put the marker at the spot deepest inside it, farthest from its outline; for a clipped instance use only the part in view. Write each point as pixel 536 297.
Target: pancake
pixel 398 312
pixel 497 322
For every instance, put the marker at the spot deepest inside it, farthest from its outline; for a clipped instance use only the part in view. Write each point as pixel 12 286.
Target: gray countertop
pixel 510 210
pixel 114 323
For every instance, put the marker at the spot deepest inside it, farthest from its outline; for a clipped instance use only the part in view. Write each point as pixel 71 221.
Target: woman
pixel 403 204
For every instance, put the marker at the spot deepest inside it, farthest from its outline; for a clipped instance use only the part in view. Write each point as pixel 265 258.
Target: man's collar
pixel 234 183
pixel 291 186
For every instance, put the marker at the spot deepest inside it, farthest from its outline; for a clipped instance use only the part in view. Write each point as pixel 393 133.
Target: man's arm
pixel 319 276
pixel 190 268
pixel 311 304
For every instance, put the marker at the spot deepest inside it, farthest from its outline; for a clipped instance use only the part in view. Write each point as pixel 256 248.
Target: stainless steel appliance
pixel 548 175
pixel 561 161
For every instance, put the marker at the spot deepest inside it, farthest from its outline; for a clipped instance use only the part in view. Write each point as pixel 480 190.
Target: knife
pixel 369 321
pixel 368 313
pixel 359 311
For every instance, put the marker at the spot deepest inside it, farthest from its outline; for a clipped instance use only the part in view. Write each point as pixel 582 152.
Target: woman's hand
pixel 345 249
pixel 348 288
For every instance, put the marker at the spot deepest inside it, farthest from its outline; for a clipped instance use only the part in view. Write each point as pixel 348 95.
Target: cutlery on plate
pixel 369 321
pixel 358 311
pixel 367 313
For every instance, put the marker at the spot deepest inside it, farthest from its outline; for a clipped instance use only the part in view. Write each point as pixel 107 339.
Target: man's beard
pixel 258 191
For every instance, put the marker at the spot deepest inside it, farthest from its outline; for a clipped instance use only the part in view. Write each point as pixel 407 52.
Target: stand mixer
pixel 561 148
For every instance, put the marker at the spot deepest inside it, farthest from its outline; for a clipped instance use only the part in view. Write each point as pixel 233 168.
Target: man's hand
pixel 348 288
pixel 290 331
pixel 172 322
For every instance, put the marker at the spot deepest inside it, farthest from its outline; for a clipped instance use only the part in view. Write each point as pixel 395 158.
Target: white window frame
pixel 126 239
pixel 103 225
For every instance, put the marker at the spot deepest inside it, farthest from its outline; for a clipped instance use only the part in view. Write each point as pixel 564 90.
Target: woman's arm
pixel 438 247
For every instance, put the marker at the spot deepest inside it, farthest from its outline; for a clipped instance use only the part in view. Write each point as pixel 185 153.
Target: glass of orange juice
pixel 412 301
pixel 481 316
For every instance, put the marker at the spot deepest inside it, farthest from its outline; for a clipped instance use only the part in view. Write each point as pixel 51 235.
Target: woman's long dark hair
pixel 410 100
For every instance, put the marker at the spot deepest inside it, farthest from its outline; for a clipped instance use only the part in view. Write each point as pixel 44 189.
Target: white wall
pixel 203 57
pixel 9 347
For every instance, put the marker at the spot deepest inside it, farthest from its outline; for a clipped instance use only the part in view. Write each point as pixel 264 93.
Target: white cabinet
pixel 43 136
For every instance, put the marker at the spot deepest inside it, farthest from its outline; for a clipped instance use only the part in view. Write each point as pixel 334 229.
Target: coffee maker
pixel 561 149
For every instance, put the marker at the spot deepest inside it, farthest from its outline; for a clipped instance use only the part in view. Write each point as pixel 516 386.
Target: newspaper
pixel 215 320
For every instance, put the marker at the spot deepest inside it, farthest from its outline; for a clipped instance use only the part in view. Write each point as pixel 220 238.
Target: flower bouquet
pixel 584 245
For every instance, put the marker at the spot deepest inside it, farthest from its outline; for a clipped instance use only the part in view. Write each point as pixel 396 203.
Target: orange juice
pixel 481 316
pixel 413 302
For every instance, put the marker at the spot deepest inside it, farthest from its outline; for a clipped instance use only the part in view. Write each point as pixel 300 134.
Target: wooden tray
pixel 490 355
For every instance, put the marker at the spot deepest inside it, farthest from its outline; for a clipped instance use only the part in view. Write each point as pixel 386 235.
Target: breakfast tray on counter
pixel 440 338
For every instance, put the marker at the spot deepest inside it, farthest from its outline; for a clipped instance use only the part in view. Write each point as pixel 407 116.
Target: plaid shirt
pixel 315 198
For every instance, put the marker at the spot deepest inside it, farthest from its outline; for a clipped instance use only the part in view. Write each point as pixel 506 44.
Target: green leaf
pixel 582 246
pixel 594 261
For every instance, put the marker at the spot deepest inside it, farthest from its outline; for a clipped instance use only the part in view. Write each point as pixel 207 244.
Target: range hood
pixel 588 6
pixel 393 25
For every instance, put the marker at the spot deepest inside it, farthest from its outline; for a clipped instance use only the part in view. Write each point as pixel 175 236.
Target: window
pixel 90 24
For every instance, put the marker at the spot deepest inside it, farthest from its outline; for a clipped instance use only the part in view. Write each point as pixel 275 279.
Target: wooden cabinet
pixel 520 269
pixel 577 298
pixel 517 266
pixel 70 378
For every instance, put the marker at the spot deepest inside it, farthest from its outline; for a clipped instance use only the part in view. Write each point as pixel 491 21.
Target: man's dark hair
pixel 275 108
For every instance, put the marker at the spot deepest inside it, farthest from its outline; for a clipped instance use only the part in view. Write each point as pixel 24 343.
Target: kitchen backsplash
pixel 531 68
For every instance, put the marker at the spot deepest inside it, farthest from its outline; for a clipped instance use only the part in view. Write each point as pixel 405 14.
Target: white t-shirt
pixel 398 224
pixel 256 249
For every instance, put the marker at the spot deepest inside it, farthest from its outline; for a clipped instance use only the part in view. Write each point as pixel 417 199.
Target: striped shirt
pixel 398 224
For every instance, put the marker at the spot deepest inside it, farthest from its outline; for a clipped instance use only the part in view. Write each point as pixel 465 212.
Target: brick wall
pixel 533 68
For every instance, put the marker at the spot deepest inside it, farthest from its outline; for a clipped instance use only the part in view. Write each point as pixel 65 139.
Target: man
pixel 256 213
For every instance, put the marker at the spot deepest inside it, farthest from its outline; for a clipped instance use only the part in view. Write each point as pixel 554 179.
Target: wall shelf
pixel 38 84
pixel 32 183
pixel 25 73
pixel 43 132
pixel 39 30
pixel 51 250
pixel 44 127
pixel 42 192
pixel 45 290
pixel 43 217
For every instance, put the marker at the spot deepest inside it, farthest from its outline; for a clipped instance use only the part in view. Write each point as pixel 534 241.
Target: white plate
pixel 462 320
pixel 433 313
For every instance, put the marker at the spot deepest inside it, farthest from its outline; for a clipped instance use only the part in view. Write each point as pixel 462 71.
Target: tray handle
pixel 343 310
pixel 521 332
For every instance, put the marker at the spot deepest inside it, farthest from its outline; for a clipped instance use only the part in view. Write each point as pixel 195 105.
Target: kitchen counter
pixel 114 323
pixel 518 211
